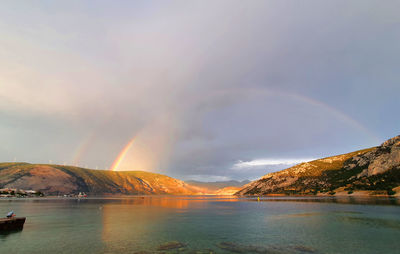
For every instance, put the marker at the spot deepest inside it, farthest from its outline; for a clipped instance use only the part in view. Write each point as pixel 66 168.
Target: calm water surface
pixel 204 225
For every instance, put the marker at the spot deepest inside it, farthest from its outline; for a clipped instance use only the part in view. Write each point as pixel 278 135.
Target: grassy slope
pixel 11 171
pixel 318 167
pixel 321 175
pixel 102 181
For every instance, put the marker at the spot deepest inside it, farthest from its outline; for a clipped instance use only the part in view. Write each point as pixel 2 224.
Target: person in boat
pixel 10 214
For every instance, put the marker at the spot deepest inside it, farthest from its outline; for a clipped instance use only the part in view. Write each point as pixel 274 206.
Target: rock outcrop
pixel 379 160
pixel 375 169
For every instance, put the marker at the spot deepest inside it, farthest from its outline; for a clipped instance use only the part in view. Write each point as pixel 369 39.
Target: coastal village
pixel 19 193
pixel 11 192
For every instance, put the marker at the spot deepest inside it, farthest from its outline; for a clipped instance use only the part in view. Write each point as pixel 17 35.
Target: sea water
pixel 200 224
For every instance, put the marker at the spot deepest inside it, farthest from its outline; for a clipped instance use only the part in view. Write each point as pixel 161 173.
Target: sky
pixel 203 90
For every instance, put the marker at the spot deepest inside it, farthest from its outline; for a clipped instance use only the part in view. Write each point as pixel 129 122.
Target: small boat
pixel 11 222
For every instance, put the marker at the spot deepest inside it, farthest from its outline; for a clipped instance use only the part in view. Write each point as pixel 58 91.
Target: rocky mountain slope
pixel 375 169
pixel 57 180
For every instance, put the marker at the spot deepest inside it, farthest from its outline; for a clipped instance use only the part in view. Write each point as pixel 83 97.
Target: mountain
pixel 57 180
pixel 230 190
pixel 214 186
pixel 373 171
pixel 219 187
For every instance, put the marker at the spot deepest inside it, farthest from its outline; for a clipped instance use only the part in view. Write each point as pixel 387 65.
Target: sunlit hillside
pixel 57 179
pixel 376 170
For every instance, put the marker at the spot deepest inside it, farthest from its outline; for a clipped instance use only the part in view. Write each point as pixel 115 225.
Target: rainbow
pixel 310 101
pixel 298 97
pixel 83 148
pixel 121 155
pixel 339 114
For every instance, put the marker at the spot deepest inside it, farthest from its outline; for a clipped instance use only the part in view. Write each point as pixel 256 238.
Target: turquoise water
pixel 204 225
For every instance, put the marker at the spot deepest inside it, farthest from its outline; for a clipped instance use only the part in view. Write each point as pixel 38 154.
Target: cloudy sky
pixel 206 90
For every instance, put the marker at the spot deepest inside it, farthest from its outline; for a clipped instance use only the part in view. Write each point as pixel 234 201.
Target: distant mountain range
pixel 58 180
pixel 372 171
pixel 220 187
pixel 215 186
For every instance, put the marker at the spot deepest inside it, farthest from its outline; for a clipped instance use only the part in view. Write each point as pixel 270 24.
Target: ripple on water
pixel 372 222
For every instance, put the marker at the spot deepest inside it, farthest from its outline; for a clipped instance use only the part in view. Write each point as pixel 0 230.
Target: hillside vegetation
pixel 57 180
pixel 374 169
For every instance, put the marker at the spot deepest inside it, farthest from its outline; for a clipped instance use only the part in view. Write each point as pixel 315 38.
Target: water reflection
pixel 337 200
pixel 5 233
pixel 142 222
pixel 204 224
pixel 372 222
pixel 165 202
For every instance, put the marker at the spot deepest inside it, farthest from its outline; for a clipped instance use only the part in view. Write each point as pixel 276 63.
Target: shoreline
pixel 149 199
pixel 360 194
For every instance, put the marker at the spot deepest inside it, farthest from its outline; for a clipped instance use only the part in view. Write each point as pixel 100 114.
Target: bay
pixel 203 224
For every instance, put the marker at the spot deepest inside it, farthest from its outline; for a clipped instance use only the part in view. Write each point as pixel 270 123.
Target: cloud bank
pixel 269 162
pixel 199 85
